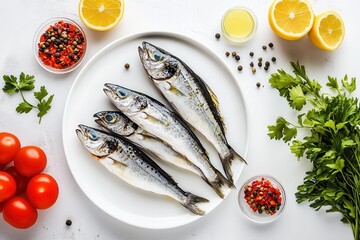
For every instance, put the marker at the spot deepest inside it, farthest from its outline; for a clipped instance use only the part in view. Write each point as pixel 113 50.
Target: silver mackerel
pixel 130 164
pixel 165 124
pixel 192 98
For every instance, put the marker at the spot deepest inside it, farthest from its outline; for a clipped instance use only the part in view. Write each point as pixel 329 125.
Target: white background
pixel 199 20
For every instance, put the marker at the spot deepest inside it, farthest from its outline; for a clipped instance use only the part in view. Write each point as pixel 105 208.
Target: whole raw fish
pixel 126 161
pixel 192 98
pixel 165 124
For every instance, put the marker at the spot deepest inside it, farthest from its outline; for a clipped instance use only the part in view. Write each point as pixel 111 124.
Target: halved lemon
pixel 328 31
pixel 291 19
pixel 101 15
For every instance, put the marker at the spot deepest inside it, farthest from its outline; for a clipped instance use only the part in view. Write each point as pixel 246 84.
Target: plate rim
pixel 124 39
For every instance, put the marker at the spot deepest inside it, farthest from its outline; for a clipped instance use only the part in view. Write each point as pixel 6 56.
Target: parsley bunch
pixel 26 83
pixel 332 143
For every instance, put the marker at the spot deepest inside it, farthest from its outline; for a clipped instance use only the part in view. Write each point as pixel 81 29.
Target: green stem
pixel 23 98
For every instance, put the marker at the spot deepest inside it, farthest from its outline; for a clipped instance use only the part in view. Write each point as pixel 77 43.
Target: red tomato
pixel 19 213
pixel 9 145
pixel 42 191
pixel 2 166
pixel 7 186
pixel 30 160
pixel 1 207
pixel 21 181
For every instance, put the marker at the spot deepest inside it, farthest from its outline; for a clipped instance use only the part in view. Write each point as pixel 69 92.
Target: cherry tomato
pixel 42 191
pixel 7 186
pixel 2 166
pixel 19 213
pixel 30 160
pixel 21 181
pixel 1 207
pixel 9 145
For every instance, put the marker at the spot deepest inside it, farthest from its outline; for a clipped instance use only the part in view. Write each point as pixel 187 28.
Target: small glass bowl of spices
pixel 262 199
pixel 59 45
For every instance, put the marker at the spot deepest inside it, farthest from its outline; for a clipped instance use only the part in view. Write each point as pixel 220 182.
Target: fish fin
pixel 227 162
pixel 219 182
pixel 190 203
pixel 216 104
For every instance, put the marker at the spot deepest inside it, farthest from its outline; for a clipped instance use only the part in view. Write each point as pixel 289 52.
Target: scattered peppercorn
pixel 68 222
pixel 127 66
pixel 240 68
pixel 227 54
pixel 264 47
pixel 217 35
pixel 237 57
pixel 251 54
pixel 233 54
pixel 271 45
pixel 260 64
pixel 266 68
pixel 251 64
pixel 258 84
pixel 267 63
pixel 260 59
pixel 273 59
pixel 253 70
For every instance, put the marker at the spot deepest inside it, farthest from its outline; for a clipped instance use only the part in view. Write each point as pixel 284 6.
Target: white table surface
pixel 199 20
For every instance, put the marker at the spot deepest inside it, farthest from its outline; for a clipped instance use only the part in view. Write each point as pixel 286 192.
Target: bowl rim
pixel 267 218
pixel 235 40
pixel 36 40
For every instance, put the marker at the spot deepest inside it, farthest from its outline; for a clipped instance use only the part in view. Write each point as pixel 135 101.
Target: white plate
pixel 86 97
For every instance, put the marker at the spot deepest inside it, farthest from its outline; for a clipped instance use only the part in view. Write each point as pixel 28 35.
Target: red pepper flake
pixel 61 46
pixel 262 196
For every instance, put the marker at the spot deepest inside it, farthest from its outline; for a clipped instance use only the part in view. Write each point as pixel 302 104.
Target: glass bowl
pixel 67 62
pixel 239 25
pixel 265 215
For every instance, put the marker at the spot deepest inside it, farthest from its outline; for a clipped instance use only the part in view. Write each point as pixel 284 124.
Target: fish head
pixel 126 100
pixel 159 64
pixel 98 143
pixel 116 122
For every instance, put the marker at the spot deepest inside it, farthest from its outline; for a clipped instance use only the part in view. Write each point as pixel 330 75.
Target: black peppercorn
pixel 217 35
pixel 227 54
pixel 127 66
pixel 267 63
pixel 68 222
pixel 240 68
pixel 251 64
pixel 260 64
pixel 264 47
pixel 273 59
pixel 251 54
pixel 258 84
pixel 271 45
pixel 237 57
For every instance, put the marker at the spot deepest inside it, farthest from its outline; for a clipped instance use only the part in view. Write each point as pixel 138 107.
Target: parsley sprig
pixel 332 144
pixel 26 83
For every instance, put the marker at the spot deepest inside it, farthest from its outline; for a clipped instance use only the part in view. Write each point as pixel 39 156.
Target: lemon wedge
pixel 101 15
pixel 291 19
pixel 328 31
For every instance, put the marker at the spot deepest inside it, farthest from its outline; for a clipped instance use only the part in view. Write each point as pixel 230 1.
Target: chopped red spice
pixel 61 46
pixel 262 196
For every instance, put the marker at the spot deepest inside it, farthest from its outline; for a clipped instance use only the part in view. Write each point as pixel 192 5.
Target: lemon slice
pixel 101 15
pixel 328 31
pixel 291 19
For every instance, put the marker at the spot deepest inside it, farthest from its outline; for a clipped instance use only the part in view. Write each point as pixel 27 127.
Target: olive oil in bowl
pixel 239 25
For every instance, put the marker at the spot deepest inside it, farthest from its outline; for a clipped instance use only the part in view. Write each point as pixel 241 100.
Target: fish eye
pixel 157 55
pixel 122 93
pixel 92 135
pixel 110 118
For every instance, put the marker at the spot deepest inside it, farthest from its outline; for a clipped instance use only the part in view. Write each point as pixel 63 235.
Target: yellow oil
pixel 238 23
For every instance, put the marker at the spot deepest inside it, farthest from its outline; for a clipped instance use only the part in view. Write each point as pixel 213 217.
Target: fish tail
pixel 190 202
pixel 227 162
pixel 219 182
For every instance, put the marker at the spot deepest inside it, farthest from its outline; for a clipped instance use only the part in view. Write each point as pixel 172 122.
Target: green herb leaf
pixel 350 87
pixel 297 98
pixel 10 84
pixel 26 82
pixel 24 107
